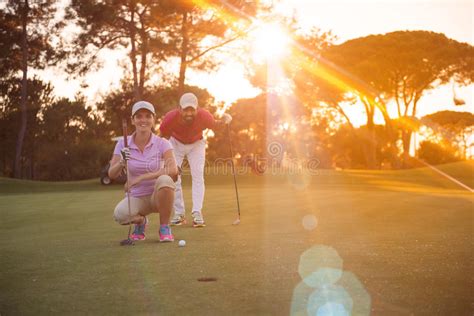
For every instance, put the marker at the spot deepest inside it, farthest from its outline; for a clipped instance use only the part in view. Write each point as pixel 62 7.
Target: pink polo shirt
pixel 150 160
pixel 173 125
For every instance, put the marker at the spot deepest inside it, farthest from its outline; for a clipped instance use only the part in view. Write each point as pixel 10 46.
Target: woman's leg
pixel 135 216
pixel 163 198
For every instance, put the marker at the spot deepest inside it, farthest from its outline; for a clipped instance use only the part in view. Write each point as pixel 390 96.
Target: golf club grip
pixel 125 132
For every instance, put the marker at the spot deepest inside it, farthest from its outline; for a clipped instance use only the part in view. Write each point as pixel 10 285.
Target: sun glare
pixel 270 41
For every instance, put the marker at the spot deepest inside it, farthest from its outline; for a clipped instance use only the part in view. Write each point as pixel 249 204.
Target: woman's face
pixel 143 120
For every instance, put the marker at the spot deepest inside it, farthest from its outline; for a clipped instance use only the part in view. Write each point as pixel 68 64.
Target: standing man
pixel 184 127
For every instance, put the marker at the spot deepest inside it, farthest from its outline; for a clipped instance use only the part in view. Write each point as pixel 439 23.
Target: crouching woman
pixel 152 172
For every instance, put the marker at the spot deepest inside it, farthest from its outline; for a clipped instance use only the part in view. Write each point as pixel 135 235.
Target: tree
pixel 151 29
pixel 26 34
pixel 214 22
pixel 455 128
pixel 311 86
pixel 73 140
pixel 342 66
pixel 288 86
pixel 262 123
pixel 248 130
pixel 321 81
pixel 39 96
pixel 436 154
pixel 143 27
pixel 401 66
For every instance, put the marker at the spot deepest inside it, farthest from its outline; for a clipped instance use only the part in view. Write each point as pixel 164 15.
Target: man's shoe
pixel 198 220
pixel 178 219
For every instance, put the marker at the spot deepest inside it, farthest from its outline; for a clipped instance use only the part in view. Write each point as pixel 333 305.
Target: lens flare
pixel 270 42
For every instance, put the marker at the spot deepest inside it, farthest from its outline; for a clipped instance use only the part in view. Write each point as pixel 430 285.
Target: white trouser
pixel 196 155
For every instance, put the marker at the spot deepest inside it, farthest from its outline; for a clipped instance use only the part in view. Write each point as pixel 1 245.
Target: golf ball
pixel 182 243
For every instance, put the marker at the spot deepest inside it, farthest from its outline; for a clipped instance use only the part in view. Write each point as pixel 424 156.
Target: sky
pixel 350 18
pixel 347 19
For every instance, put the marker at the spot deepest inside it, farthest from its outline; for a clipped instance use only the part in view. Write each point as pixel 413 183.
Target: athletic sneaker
pixel 198 220
pixel 178 219
pixel 139 231
pixel 165 233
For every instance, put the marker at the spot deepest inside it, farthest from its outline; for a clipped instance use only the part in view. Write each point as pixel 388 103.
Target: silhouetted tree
pixel 455 128
pixel 25 35
pixel 402 66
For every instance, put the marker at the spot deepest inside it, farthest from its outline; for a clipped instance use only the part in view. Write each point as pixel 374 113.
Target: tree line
pixel 51 138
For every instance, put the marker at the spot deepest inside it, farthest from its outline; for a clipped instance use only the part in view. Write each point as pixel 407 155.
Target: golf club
pixel 128 241
pixel 237 221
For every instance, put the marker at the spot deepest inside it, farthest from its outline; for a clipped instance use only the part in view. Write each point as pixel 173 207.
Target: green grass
pixel 407 236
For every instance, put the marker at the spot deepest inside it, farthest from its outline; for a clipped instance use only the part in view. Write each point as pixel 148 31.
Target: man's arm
pixel 224 119
pixel 211 122
pixel 166 126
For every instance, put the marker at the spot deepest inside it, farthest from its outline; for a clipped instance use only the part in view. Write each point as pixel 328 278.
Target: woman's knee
pixel 165 182
pixel 121 215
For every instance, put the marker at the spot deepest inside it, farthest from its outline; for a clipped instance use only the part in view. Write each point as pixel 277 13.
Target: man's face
pixel 188 114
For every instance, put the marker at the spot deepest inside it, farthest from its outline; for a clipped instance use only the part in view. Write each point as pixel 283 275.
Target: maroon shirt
pixel 173 125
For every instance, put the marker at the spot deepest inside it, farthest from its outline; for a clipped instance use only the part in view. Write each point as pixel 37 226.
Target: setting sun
pixel 270 41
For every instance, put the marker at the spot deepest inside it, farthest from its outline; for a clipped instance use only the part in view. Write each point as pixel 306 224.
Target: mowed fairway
pixel 407 236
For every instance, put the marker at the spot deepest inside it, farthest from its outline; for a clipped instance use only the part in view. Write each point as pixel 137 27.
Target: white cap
pixel 188 100
pixel 143 105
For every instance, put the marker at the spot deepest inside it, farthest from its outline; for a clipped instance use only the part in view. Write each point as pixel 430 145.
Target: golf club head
pixel 236 222
pixel 127 242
